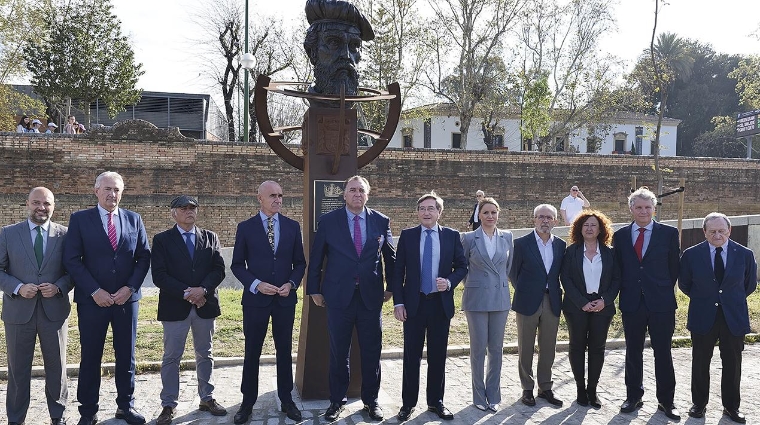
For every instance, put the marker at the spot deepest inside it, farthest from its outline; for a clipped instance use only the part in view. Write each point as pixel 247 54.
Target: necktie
pixel 112 232
pixel 357 236
pixel 270 231
pixel 639 245
pixel 190 244
pixel 718 265
pixel 38 246
pixel 427 263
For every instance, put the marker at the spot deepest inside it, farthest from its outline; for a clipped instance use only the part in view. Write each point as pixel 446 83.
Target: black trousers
pixel 587 330
pixel 731 347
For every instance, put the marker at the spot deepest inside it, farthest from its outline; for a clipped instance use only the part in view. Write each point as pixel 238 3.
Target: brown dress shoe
pixel 166 416
pixel 212 406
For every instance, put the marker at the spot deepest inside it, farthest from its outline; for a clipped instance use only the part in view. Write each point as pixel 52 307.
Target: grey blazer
pixel 19 265
pixel 486 287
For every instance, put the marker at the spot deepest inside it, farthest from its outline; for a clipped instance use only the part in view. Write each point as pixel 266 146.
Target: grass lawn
pixel 228 341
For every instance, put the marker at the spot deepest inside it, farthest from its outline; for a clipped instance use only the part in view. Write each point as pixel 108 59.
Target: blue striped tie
pixel 427 264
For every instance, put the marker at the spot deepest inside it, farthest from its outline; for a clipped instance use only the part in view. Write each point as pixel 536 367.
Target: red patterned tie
pixel 112 232
pixel 638 246
pixel 357 236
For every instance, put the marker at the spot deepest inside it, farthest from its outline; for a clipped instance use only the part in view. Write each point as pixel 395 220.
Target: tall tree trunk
pixel 657 169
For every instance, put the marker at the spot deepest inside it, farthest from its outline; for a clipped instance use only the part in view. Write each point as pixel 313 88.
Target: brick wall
pixel 224 176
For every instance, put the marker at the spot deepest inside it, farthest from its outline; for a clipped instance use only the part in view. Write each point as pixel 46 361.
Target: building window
pixel 498 141
pixel 426 133
pixel 639 138
pixel 456 140
pixel 559 143
pixel 407 140
pixel 619 145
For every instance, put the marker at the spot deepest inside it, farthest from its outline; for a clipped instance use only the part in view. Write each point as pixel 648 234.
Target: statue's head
pixel 333 44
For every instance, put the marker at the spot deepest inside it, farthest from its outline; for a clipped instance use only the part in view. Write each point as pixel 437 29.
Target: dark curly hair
pixel 605 227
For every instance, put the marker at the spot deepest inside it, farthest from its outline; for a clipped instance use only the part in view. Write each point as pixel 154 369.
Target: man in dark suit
pixel 430 263
pixel 646 256
pixel 106 253
pixel 715 273
pixel 35 304
pixel 187 265
pixel 474 220
pixel 351 247
pixel 268 260
pixel 537 302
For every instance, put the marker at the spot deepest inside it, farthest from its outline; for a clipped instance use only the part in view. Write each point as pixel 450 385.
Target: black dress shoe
pixel 582 398
pixel 405 413
pixel 442 412
pixel 527 398
pixel 670 411
pixel 131 416
pixel 631 405
pixel 697 411
pixel 593 400
pixel 88 420
pixel 242 415
pixel 57 421
pixel 735 416
pixel 332 412
pixel 212 407
pixel 548 395
pixel 374 411
pixel 167 416
pixel 291 411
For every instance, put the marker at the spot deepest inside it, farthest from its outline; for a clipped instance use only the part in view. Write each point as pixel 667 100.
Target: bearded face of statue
pixel 334 55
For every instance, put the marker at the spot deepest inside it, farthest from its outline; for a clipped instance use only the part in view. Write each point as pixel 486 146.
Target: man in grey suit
pixel 35 303
pixel 535 276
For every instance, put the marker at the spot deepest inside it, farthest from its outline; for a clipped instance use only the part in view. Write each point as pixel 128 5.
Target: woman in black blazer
pixel 590 290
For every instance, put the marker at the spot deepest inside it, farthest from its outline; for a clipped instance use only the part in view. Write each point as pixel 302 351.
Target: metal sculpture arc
pixel 274 136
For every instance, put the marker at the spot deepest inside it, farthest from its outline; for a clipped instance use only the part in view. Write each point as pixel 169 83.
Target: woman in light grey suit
pixel 486 302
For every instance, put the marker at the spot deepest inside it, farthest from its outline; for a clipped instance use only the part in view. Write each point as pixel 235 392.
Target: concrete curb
pixel 72 370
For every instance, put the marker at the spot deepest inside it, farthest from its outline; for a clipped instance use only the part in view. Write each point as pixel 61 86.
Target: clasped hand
pixel 104 299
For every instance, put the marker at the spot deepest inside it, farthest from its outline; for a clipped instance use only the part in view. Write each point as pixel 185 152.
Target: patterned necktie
pixel 112 232
pixel 718 265
pixel 190 244
pixel 38 246
pixel 270 231
pixel 357 236
pixel 427 283
pixel 639 245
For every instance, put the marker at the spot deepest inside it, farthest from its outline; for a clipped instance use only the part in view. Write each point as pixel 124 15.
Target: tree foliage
pixel 747 76
pixel 536 117
pixel 84 56
pixel 721 141
pixel 13 103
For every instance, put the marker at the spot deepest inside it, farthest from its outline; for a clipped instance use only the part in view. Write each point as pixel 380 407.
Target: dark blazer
pixel 574 282
pixel 19 265
pixel 92 263
pixel 253 259
pixel 529 277
pixel 406 274
pixel 472 214
pixel 173 271
pixel 654 276
pixel 336 278
pixel 697 280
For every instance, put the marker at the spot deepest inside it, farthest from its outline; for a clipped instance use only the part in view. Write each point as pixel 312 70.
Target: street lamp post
pixel 247 63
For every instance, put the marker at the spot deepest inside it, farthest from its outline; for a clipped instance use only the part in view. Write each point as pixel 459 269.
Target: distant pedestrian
pixel 51 128
pixel 474 217
pixel 23 125
pixel 35 126
pixel 71 125
pixel 572 205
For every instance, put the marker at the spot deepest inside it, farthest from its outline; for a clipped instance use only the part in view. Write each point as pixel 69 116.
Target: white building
pixel 437 127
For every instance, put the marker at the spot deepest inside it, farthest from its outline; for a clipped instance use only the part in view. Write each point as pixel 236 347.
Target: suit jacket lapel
pixel 52 241
pixel 179 240
pixel 533 246
pixel 730 259
pixel 98 223
pixel 480 244
pixel 26 241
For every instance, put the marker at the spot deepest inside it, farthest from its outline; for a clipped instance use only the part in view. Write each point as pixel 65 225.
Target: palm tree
pixel 671 60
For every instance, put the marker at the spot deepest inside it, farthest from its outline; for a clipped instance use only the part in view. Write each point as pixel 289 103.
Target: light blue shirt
pixel 265 223
pixel 362 224
pixel 182 232
pixel 647 235
pixel 114 218
pixel 435 235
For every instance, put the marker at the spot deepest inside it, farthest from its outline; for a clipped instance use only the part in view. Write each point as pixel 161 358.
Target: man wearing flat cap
pixel 333 44
pixel 187 266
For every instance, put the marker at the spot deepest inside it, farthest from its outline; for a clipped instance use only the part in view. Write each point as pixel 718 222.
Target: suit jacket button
pixel 716 304
pixel 720 291
pixel 113 271
pixel 274 259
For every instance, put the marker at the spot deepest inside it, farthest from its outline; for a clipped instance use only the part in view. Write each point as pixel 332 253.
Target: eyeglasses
pixel 573 190
pixel 545 218
pixel 428 209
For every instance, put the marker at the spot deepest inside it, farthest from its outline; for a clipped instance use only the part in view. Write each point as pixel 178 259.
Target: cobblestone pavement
pixel 458 396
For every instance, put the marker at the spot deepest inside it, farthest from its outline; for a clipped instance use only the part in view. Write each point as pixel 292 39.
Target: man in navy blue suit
pixel 187 266
pixel 351 247
pixel 106 253
pixel 430 263
pixel 646 256
pixel 715 273
pixel 535 276
pixel 268 260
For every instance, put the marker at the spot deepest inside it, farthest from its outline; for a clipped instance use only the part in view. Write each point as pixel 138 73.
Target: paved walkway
pixel 458 396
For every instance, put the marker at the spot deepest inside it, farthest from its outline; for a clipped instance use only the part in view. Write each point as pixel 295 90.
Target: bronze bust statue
pixel 333 44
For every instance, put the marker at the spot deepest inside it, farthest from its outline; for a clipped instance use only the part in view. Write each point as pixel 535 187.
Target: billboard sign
pixel 747 123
